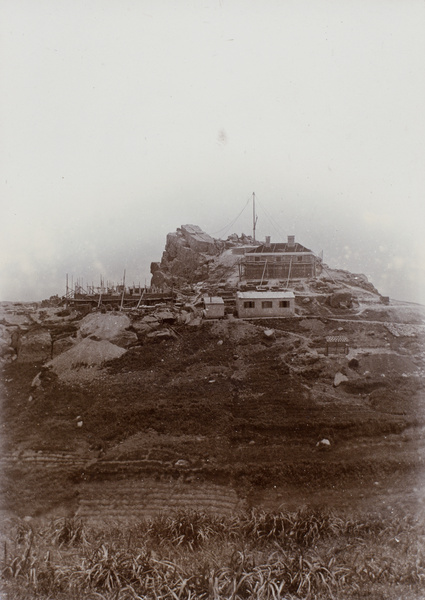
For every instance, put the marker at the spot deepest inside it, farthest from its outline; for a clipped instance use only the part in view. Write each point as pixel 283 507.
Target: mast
pixel 254 218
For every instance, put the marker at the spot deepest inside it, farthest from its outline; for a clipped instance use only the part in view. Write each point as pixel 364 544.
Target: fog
pixel 122 120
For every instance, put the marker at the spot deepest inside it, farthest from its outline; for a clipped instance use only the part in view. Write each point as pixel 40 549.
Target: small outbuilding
pixel 265 304
pixel 213 307
pixel 336 344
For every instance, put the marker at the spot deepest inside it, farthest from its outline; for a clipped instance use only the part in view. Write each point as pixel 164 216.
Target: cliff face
pixel 185 258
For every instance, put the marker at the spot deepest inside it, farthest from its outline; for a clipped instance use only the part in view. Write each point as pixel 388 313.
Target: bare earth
pixel 216 416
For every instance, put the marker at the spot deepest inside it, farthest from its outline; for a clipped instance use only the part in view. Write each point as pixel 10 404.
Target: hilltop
pixel 128 413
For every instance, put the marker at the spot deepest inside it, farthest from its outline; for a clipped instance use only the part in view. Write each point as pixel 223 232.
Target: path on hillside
pixel 373 322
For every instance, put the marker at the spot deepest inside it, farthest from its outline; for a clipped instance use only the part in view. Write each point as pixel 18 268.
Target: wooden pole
pixel 289 272
pixel 123 291
pixel 100 292
pixel 140 299
pixel 264 270
pixel 254 220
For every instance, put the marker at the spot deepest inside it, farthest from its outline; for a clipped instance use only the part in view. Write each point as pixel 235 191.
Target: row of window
pixel 266 304
pixel 278 258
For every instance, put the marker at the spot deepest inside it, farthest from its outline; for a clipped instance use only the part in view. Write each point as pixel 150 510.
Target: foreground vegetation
pixel 259 555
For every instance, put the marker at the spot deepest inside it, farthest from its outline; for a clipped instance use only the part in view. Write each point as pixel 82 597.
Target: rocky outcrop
pixel 235 240
pixel 187 254
pixel 192 256
pixel 198 240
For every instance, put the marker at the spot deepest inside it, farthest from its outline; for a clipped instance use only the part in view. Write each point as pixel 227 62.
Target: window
pixel 267 304
pixel 284 304
pixel 299 258
pixel 249 304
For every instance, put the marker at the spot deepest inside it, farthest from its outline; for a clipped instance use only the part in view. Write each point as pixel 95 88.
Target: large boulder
pixel 62 345
pixel 4 334
pixel 162 334
pixel 88 354
pixel 146 325
pixel 165 315
pixel 198 240
pixel 339 378
pixel 34 345
pixel 125 339
pixel 112 327
pixel 5 342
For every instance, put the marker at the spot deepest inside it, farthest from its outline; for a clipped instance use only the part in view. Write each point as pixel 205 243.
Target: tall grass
pixel 308 554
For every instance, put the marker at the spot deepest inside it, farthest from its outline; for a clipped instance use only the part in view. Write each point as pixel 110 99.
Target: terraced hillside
pixel 224 415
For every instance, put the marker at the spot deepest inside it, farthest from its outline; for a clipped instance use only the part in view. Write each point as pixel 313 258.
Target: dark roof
pixel 336 339
pixel 280 247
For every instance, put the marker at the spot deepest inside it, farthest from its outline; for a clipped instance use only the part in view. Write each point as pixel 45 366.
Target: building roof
pixel 213 300
pixel 270 295
pixel 337 339
pixel 279 247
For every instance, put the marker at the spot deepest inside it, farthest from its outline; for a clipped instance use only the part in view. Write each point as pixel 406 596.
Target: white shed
pixel 265 304
pixel 213 307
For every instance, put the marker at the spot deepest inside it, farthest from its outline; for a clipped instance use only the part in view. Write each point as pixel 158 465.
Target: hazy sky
pixel 123 119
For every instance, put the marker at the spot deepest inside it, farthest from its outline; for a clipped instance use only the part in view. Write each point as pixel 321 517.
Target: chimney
pixel 267 244
pixel 291 241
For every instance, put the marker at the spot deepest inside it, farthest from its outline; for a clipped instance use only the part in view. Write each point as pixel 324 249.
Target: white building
pixel 265 304
pixel 213 307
